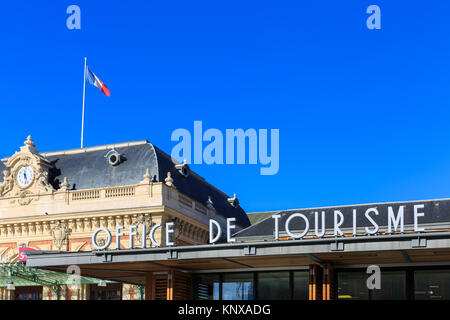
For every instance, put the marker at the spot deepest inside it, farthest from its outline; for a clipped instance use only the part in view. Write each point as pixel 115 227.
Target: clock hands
pixel 25 176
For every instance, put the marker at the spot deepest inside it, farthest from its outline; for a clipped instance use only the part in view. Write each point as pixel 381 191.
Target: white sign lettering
pixel 394 222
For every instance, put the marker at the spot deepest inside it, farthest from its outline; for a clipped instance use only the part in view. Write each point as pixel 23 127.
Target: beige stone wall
pixel 42 218
pixel 72 231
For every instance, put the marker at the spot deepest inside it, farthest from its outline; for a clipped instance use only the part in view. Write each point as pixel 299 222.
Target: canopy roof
pixel 22 275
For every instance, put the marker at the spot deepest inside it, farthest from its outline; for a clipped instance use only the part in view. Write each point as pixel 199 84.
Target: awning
pixel 21 275
pixel 132 265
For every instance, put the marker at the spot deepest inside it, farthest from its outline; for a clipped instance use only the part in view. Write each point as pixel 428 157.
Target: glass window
pixel 273 286
pixel 28 293
pixel 432 284
pixel 206 286
pixel 112 291
pixel 301 285
pixel 393 286
pixel 237 286
pixel 352 285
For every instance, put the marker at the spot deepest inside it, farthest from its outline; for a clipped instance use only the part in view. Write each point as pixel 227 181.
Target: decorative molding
pixel 27 156
pixel 7 184
pixel 60 234
pixel 24 198
pixel 141 220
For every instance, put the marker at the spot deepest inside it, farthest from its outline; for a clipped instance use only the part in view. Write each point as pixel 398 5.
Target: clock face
pixel 25 176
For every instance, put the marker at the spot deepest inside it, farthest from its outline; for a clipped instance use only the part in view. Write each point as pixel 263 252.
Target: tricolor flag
pixel 94 80
pixel 90 77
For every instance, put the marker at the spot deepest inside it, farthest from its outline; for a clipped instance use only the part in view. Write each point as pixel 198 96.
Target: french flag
pixel 94 80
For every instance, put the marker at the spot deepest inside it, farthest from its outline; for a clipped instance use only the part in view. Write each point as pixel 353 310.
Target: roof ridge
pixel 94 148
pixel 347 205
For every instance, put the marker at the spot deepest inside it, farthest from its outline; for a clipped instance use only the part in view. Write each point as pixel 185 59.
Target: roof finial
pixel 209 203
pixel 65 184
pixel 147 177
pixel 29 142
pixel 29 146
pixel 183 168
pixel 169 180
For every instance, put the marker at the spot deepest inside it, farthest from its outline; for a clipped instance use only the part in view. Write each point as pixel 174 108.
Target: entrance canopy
pixel 132 266
pixel 21 275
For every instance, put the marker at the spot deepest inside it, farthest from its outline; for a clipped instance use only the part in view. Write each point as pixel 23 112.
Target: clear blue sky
pixel 363 114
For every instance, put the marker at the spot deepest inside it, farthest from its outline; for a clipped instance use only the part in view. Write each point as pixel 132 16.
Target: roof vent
pixel 183 169
pixel 234 202
pixel 114 158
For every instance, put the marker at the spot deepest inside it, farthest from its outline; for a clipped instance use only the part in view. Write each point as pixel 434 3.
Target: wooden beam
pixel 149 286
pixel 170 282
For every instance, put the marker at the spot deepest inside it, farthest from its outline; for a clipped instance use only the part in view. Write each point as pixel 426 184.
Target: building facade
pixel 130 215
pixel 54 201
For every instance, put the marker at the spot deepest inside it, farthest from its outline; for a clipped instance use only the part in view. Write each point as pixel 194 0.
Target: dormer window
pixel 113 157
pixel 183 168
pixel 234 202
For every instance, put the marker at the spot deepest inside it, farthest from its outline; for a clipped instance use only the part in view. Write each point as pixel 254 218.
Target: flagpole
pixel 84 99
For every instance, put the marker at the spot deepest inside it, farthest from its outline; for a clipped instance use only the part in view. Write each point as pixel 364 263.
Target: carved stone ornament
pixel 178 228
pixel 140 220
pixel 60 234
pixel 65 184
pixel 24 198
pixel 7 184
pixel 28 156
pixel 42 181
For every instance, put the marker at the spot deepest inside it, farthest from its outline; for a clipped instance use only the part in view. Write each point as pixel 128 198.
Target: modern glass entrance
pixel 263 285
pixel 352 285
pixel 419 283
pixel 237 286
pixel 432 284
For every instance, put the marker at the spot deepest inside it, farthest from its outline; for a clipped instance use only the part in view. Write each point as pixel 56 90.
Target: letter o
pixel 94 239
pixel 292 216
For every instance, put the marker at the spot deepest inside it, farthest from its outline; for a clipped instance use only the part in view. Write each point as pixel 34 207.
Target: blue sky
pixel 363 114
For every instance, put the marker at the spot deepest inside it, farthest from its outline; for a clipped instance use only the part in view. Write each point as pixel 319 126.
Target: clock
pixel 25 176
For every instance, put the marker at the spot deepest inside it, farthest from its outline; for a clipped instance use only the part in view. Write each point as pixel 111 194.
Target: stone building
pixel 53 201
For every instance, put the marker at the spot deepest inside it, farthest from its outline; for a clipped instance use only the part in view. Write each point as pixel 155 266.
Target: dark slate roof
pixel 437 211
pixel 91 169
pixel 88 168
